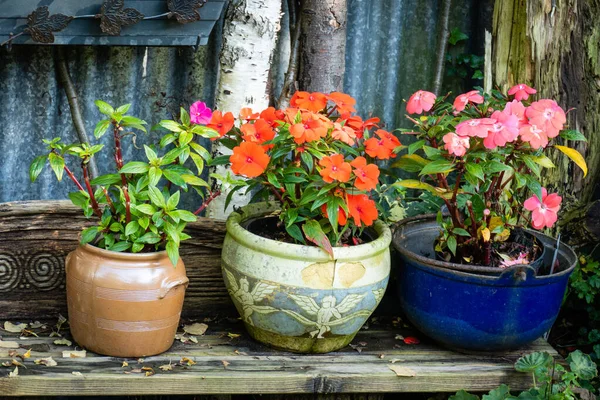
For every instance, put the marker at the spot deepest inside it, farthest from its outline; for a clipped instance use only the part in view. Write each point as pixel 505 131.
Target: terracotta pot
pixel 124 304
pixel 297 298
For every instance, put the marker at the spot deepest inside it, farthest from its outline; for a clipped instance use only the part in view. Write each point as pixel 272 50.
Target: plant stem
pixel 86 179
pixel 108 200
pixel 119 162
pixel 472 215
pixel 73 178
pixel 11 38
pixel 210 198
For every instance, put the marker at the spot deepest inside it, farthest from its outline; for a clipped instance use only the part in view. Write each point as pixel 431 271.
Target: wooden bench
pixel 35 237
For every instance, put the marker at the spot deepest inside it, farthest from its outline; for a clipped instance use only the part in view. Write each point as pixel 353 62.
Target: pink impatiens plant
pixel 483 155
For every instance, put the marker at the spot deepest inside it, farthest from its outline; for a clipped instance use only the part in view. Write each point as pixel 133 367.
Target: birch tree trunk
pixel 554 47
pixel 249 36
pixel 323 38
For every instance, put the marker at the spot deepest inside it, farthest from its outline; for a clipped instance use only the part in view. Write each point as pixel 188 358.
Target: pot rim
pixel 463 268
pixel 155 255
pixel 300 251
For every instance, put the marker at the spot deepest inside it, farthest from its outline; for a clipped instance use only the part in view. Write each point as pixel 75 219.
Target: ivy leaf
pixel 113 17
pixel 313 232
pixel 531 362
pixel 40 24
pixel 36 167
pixel 185 11
pixel 456 36
pixel 58 164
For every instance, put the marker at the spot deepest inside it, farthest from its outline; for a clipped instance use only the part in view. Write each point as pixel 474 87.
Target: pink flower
pixel 546 115
pixel 503 131
pixel 521 259
pixel 455 144
pixel 199 113
pixel 462 100
pixel 536 137
pixel 517 108
pixel 419 102
pixel 475 127
pixel 543 213
pixel 521 91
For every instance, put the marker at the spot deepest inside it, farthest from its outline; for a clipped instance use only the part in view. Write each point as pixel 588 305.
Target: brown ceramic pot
pixel 124 304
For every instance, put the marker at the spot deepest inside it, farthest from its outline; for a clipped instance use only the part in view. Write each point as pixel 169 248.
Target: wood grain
pixel 242 366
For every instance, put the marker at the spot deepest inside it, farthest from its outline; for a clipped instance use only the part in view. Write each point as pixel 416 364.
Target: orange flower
pixel 247 115
pixel 271 115
pixel 312 127
pixel 221 123
pixel 344 103
pixel 355 122
pixel 343 133
pixel 383 147
pixel 249 159
pixel 367 175
pixel 361 209
pixel 335 168
pixel 342 218
pixel 258 132
pixel 314 102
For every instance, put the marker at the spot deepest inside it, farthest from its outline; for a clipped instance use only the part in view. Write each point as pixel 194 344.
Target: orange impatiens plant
pixel 317 159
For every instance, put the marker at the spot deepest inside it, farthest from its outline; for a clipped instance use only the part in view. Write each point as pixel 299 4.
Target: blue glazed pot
pixel 476 308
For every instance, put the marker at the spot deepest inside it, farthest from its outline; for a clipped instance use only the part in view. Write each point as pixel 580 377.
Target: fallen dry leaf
pixel 233 335
pixel 193 339
pixel 17 363
pixel 63 342
pixel 27 354
pixel 76 373
pixel 195 329
pixel 14 328
pixel 74 354
pixel 14 374
pixel 36 324
pixel 399 337
pixel 48 362
pixel 54 334
pixel 225 363
pixel 395 360
pixel 125 364
pixel 9 345
pixel 402 371
pixel 6 364
pixel 189 362
pixel 382 356
pixel 149 371
pixel 167 367
pixel 140 360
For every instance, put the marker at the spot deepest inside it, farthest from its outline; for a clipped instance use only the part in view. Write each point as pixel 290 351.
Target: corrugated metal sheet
pixel 390 54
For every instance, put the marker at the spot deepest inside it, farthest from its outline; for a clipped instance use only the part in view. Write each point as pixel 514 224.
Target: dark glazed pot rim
pixel 491 272
pixel 118 255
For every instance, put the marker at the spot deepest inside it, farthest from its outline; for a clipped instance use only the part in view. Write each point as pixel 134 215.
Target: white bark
pixel 249 37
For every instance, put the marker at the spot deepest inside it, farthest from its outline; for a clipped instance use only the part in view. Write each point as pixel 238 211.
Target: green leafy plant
pixel 462 65
pixel 550 380
pixel 137 206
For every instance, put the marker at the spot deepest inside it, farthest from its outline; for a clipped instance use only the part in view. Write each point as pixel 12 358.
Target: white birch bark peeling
pixel 249 37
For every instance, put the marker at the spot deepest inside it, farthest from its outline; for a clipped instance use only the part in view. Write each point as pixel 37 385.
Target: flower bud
pixel 486 212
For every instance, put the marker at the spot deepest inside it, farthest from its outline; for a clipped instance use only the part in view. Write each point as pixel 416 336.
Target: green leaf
pixel 295 232
pixel 531 164
pixel 137 247
pixel 308 160
pixel 185 138
pixel 101 128
pixel 184 116
pixel 493 167
pixel 120 246
pixel 170 125
pixel 416 184
pixel 463 395
pixel 415 146
pixel 173 200
pixel 437 167
pixel 456 36
pixel 167 139
pixel 534 186
pixel 146 209
pixel 150 238
pixel 202 152
pixel 544 161
pixel 172 155
pixel 461 232
pixel 36 167
pixel 221 160
pixel 431 152
pixel 452 244
pixel 150 154
pixel 104 108
pixel 108 179
pixel 144 222
pixel 573 135
pixel 134 167
pixel 131 228
pixel 531 362
pixel 198 161
pixel 89 234
pixel 185 215
pixel 123 109
pixel 475 170
pixel 582 365
pixel 58 165
pixel 411 163
pixel 80 199
pixel 194 180
pixel 156 197
pixel 173 252
pixel 313 232
pixel 154 175
pixel 500 393
pixel 174 177
pixel 272 178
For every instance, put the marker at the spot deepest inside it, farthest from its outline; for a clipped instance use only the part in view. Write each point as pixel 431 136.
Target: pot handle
pixel 169 285
pixel 517 274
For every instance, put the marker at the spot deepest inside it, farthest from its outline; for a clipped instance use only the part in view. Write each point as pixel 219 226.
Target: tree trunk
pixel 323 38
pixel 554 46
pixel 249 35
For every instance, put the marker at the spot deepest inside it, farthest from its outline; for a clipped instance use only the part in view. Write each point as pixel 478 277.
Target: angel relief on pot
pixel 318 311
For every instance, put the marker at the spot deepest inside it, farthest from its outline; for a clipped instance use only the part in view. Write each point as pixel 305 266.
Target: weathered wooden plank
pixel 36 236
pixel 242 366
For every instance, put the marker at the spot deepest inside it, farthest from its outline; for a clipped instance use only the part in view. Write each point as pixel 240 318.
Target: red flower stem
pixel 86 178
pixel 210 198
pixel 73 178
pixel 119 162
pixel 472 215
pixel 108 200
